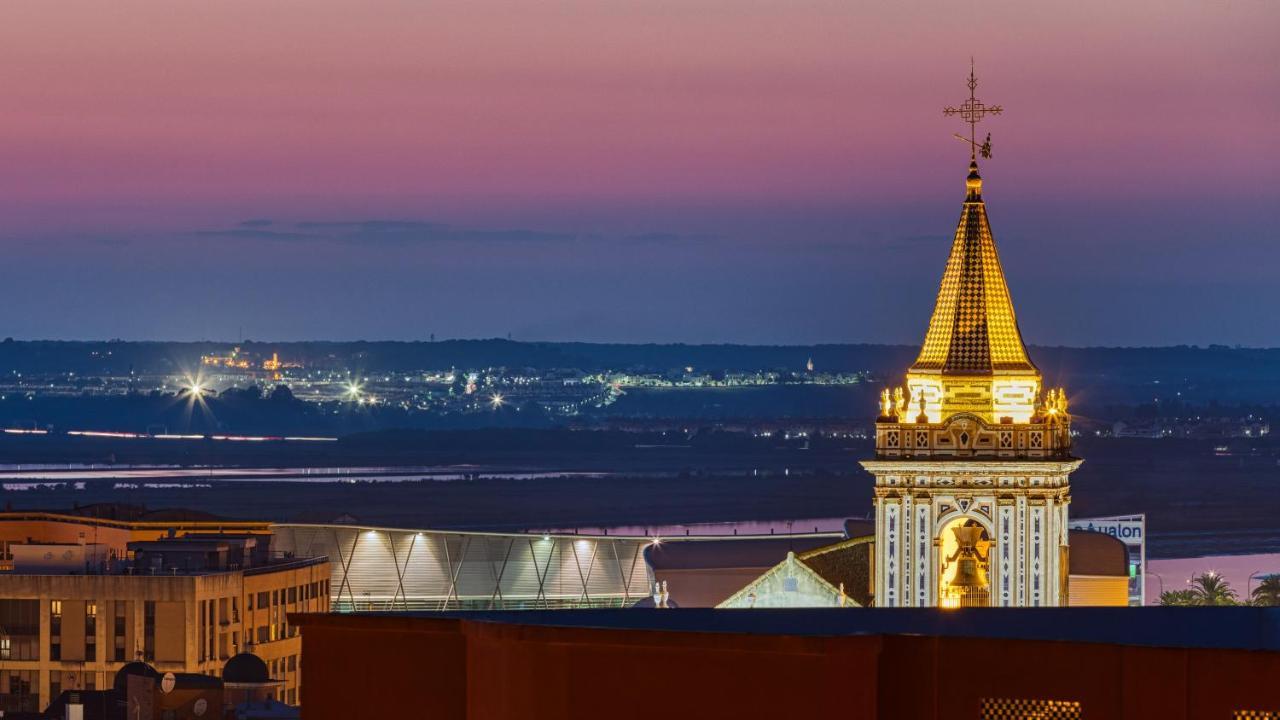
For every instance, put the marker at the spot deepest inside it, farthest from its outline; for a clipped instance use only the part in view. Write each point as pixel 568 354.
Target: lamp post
pixel 1249 583
pixel 1158 579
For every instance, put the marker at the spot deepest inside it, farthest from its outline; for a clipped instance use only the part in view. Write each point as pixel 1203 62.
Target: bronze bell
pixel 969 585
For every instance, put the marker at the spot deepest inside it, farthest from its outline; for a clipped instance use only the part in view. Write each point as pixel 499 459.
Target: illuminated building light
pixel 24 431
pixel 101 433
pixel 178 436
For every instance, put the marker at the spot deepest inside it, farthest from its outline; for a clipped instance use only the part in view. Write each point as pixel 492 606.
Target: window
pixel 262 634
pixel 55 629
pixel 91 631
pixel 117 631
pixel 149 629
pixel 293 595
pixel 19 629
pixel 264 600
pixel 19 691
pixel 293 663
pixel 210 629
pixel 204 631
pixel 248 602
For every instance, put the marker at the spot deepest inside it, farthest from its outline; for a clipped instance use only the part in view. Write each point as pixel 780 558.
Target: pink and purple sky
pixel 697 171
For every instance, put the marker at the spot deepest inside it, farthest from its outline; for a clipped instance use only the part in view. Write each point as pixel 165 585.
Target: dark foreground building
pixel 1051 663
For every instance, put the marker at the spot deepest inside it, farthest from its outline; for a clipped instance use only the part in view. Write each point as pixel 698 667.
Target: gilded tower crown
pixel 973 363
pixel 973 330
pixel 973 358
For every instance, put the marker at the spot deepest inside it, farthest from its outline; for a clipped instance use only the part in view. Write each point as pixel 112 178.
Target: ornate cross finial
pixel 972 111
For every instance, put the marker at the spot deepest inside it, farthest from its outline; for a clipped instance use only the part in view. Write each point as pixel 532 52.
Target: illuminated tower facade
pixel 973 457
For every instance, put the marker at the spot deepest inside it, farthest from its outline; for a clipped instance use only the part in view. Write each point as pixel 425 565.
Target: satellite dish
pixel 167 683
pixel 200 708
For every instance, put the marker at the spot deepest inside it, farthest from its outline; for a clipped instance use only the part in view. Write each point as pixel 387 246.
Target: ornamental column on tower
pixel 973 456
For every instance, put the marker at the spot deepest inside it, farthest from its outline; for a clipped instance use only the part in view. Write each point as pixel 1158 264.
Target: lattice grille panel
pixel 1256 715
pixel 1029 708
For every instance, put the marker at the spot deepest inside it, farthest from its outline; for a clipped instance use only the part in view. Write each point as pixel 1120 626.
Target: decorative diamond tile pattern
pixel 973 330
pixel 1022 708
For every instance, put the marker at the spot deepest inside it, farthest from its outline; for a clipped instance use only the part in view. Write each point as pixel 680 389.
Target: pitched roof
pixel 973 330
pixel 846 564
pixel 790 567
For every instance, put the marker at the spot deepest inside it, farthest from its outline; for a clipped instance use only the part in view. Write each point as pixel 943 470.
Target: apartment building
pixel 185 600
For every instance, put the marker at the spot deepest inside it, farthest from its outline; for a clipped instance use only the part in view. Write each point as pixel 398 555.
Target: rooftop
pixel 1232 628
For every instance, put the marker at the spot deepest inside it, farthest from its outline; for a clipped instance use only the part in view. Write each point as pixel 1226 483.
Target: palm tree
pixel 1210 589
pixel 1268 591
pixel 1178 597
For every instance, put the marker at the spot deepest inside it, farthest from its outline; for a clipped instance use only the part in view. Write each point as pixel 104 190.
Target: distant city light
pixel 195 387
pixel 496 401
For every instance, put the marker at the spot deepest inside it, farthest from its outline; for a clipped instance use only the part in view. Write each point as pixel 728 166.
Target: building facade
pixel 73 628
pixel 376 568
pixel 973 461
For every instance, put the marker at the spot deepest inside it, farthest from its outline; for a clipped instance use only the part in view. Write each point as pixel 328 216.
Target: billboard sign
pixel 1132 531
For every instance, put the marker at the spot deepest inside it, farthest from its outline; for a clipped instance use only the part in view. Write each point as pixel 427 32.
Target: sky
pixel 612 170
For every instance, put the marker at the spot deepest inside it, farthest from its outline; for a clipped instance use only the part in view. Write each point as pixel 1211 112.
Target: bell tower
pixel 973 461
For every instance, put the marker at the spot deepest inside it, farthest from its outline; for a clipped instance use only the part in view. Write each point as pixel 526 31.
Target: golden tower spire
pixel 973 358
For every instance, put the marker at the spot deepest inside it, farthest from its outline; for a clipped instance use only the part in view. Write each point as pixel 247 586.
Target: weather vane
pixel 972 111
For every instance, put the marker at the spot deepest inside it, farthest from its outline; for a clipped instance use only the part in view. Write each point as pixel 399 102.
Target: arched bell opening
pixel 965 577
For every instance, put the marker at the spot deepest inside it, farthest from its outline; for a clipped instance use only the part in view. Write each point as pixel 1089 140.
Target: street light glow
pixel 195 388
